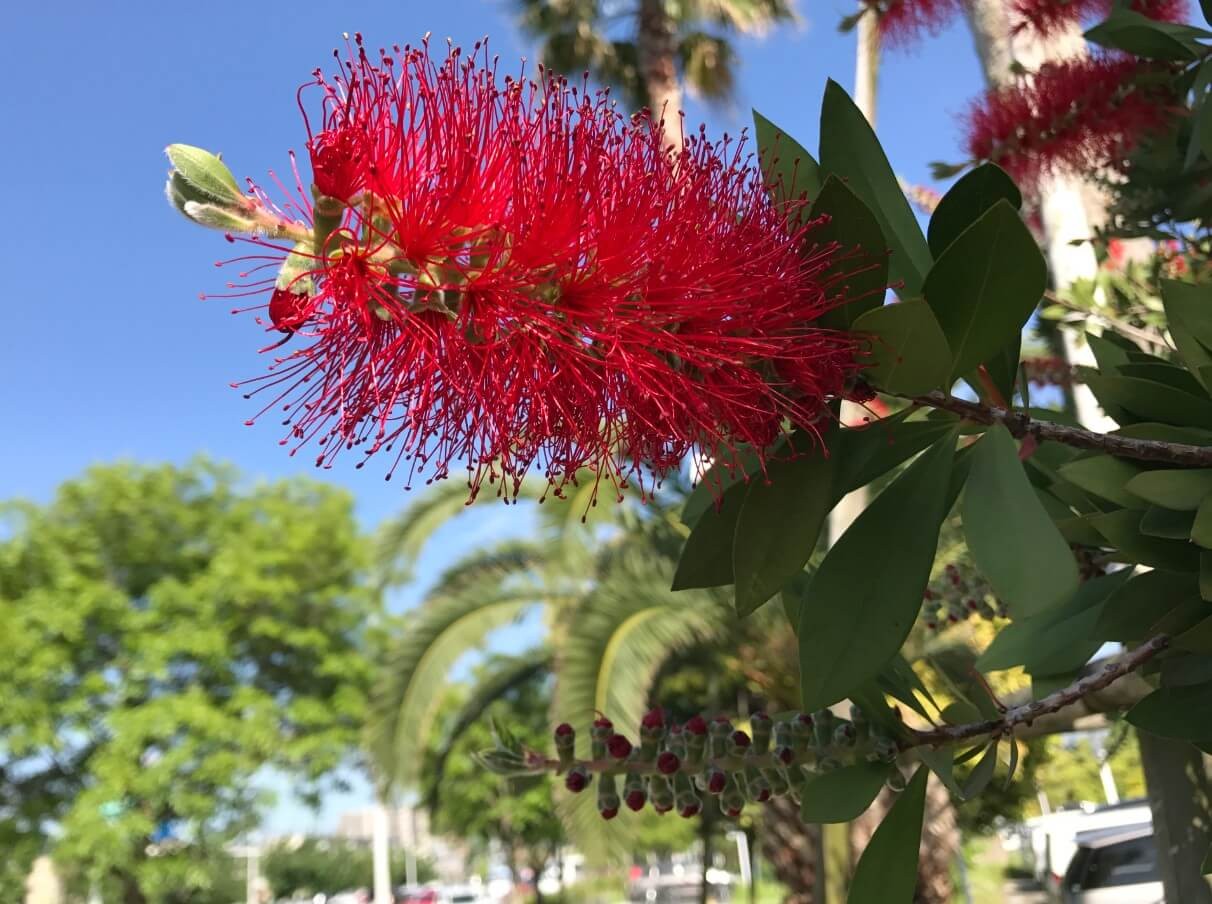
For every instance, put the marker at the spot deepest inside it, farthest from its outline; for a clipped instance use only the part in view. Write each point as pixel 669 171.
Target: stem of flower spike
pixel 1022 425
pixel 1029 712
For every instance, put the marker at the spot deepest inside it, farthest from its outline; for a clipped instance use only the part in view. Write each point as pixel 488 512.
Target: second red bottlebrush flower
pixel 1079 115
pixel 508 276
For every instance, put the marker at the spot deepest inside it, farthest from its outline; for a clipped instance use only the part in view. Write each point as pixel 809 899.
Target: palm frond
pixel 409 692
pixel 615 643
pixel 509 674
pixel 745 16
pixel 401 539
pixel 708 65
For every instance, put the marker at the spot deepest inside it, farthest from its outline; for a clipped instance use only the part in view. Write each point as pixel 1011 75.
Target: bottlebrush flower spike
pixel 904 21
pixel 504 275
pixel 1047 17
pixel 1077 115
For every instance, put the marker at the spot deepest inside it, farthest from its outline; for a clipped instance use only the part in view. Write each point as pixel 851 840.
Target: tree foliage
pixel 176 632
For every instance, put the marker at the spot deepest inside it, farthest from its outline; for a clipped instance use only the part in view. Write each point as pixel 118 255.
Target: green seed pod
pixel 718 736
pixel 883 748
pixel 822 723
pixel 758 786
pixel 686 799
pixel 660 792
pixel 777 780
pixel 565 744
pixel 844 735
pixel 761 728
pixel 608 796
pixel 732 799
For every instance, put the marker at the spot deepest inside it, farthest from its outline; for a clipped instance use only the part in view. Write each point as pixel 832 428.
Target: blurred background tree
pixel 172 633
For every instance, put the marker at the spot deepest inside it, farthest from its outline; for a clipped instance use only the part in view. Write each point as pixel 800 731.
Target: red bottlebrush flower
pixel 618 746
pixel 904 21
pixel 1047 17
pixel 1077 115
pixel 523 279
pixel 668 763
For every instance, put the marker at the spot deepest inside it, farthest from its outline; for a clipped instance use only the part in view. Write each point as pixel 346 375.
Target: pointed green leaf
pixel 853 617
pixel 1189 318
pixel 1179 490
pixel 887 870
pixel 962 205
pixel 778 526
pixel 789 170
pixel 1012 766
pixel 843 794
pixel 727 470
pixel 1141 36
pixel 706 559
pixel 1103 476
pixel 1196 639
pixel 908 352
pixel 1166 524
pixel 1122 530
pixel 1183 712
pixel 1006 526
pixel 1153 401
pixel 984 287
pixel 981 774
pixel 1132 611
pixel 863 266
pixel 865 453
pixel 850 150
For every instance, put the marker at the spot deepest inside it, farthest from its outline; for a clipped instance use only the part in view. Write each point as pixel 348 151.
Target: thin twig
pixel 1022 425
pixel 1152 340
pixel 1029 712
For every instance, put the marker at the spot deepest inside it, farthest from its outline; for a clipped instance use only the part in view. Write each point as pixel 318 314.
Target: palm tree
pixel 649 49
pixel 603 587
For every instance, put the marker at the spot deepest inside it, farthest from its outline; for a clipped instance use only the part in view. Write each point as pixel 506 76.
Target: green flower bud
pixel 660 792
pixel 732 800
pixel 635 791
pixel 327 214
pixel 777 781
pixel 761 728
pixel 822 724
pixel 608 796
pixel 207 174
pixel 758 786
pixel 686 799
pixel 895 781
pixel 214 217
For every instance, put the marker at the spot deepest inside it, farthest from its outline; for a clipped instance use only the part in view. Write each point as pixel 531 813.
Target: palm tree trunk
pixel 656 44
pixel 792 850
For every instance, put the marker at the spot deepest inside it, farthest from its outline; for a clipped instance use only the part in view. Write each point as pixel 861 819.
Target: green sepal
pixel 207 173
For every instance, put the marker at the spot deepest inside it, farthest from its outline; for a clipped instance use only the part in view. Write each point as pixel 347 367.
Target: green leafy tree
pixel 470 802
pixel 173 632
pixel 328 866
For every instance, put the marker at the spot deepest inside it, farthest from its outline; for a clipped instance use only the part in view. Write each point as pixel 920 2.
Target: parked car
pixel 1114 866
pixel 1051 840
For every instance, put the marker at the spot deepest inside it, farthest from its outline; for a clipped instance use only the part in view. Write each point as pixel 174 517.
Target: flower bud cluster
pixel 1049 371
pixel 957 595
pixel 674 766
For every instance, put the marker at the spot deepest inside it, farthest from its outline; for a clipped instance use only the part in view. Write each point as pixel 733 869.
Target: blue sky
pixel 106 351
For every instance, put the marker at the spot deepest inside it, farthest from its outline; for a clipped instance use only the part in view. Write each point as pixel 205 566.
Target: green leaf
pixel 908 351
pixel 1178 490
pixel 864 453
pixel 981 774
pixel 850 150
pixel 1168 525
pixel 853 617
pixel 1153 401
pixel 1206 8
pixel 1188 316
pixel 1205 574
pixel 706 559
pixel 1196 639
pixel 778 526
pixel 1012 766
pixel 864 264
pixel 1135 608
pixel 959 712
pixel 1103 476
pixel 1006 526
pixel 1003 366
pixel 1141 36
pixel 984 287
pixel 1109 356
pixel 1057 640
pixel 1122 530
pixel 977 191
pixel 207 173
pixel 1171 375
pixel 1183 712
pixel 841 795
pixel 728 469
pixel 791 173
pixel 887 870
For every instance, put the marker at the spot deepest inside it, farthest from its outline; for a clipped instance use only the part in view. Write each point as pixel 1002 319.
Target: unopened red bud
pixel 696 725
pixel 654 718
pixel 690 809
pixel 668 763
pixel 603 724
pixel 635 800
pixel 608 812
pixel 785 755
pixel 717 780
pixel 740 739
pixel 618 746
pixel 564 730
pixel 577 779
